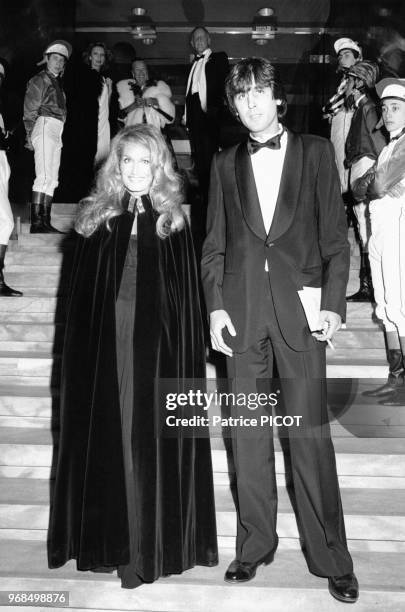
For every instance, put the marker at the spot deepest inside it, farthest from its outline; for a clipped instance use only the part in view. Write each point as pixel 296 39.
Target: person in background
pixel 44 118
pixel 145 100
pixel 97 56
pixel 364 143
pixel 203 108
pixel 384 186
pixel 128 496
pixel 86 136
pixel 6 215
pixel 336 110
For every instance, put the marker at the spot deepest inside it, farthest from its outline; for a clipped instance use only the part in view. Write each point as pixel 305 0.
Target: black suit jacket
pixel 216 70
pixel 364 138
pixel 306 246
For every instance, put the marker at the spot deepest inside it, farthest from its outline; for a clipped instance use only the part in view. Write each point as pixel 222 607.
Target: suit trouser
pixel 387 265
pixel 203 140
pixel 361 210
pixel 6 215
pixel 313 465
pixel 46 139
pixel 339 130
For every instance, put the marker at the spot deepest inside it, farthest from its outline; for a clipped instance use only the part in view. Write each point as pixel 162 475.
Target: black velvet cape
pixel 89 518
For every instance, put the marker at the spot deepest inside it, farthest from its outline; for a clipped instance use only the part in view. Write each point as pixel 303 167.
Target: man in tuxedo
pixel 276 224
pixel 204 101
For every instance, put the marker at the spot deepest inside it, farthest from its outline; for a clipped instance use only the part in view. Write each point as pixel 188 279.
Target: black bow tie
pixel 198 57
pixel 272 143
pixel 401 133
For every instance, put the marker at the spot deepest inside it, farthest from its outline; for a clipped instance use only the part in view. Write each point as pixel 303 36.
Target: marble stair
pixel 368 438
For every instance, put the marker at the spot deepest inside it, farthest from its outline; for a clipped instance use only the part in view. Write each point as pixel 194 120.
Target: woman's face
pixel 135 168
pixel 97 58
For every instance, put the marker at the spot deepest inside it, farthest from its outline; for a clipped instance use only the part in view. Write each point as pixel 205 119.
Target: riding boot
pixel 365 292
pixel 397 397
pixel 395 377
pixel 38 213
pixel 48 207
pixel 5 290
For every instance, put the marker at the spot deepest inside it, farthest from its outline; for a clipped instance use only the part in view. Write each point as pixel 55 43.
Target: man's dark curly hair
pixel 263 73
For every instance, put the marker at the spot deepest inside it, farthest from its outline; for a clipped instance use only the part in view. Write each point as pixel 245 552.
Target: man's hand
pixel 151 102
pixel 218 320
pixel 28 144
pixel 329 323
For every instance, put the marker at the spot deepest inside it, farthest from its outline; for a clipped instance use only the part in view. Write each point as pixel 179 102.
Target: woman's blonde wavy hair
pixel 166 192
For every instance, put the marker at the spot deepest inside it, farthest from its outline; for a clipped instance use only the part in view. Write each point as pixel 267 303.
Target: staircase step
pixel 49 279
pixel 31 309
pixel 42 332
pixel 360 338
pixel 286 583
pixel 64 208
pixel 344 363
pixel 47 269
pixel 354 339
pixel 361 502
pixel 358 321
pixel 388 428
pixel 28 365
pixel 25 506
pixel 352 355
pixel 351 414
pixel 378 457
pixel 18 250
pixel 63 223
pixel 359 310
pixel 32 258
pixel 28 240
pixel 34 291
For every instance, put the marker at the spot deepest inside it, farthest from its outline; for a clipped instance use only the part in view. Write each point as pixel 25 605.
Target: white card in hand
pixel 311 302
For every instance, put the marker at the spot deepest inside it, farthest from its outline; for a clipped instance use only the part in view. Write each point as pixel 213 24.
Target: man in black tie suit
pixel 276 224
pixel 204 101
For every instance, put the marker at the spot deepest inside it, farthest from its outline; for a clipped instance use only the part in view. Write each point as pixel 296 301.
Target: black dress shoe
pixel 344 588
pixel 243 571
pixel 384 391
pixel 364 294
pixel 396 398
pixel 240 571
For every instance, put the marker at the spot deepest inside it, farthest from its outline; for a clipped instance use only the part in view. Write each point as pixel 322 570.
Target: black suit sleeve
pixel 216 83
pixel 213 256
pixel 332 232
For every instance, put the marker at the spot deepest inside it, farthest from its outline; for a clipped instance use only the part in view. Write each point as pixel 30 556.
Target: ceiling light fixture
pixel 142 26
pixel 264 26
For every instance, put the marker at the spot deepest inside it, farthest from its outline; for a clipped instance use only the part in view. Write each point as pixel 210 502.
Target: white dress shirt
pixel 197 80
pixel 267 167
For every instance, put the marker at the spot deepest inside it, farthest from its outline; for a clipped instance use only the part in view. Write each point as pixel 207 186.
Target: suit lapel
pixel 290 184
pixel 247 192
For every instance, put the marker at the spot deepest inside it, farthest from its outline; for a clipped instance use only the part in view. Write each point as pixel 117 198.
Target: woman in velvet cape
pixel 175 513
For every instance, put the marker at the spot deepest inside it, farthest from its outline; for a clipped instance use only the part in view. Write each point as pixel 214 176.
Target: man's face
pixel 200 41
pixel 393 114
pixel 346 58
pixel 257 109
pixel 55 63
pixel 140 73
